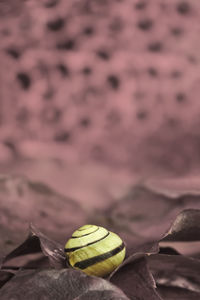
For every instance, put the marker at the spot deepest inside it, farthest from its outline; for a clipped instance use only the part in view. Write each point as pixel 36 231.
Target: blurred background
pixel 96 96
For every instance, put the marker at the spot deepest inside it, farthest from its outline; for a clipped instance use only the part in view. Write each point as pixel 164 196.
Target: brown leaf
pixel 135 280
pixel 176 272
pixel 5 276
pixel 58 285
pixel 37 242
pixel 146 215
pixel 23 201
pixel 186 227
pixel 173 293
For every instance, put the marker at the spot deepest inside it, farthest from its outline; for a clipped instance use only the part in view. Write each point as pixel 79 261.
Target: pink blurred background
pixel 98 95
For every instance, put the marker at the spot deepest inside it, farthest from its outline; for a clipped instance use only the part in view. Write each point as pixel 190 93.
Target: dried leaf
pixel 177 273
pixel 58 285
pixel 186 227
pixel 5 276
pixel 23 201
pixel 37 242
pixel 133 276
pixel 135 280
pixel 172 293
pixel 145 215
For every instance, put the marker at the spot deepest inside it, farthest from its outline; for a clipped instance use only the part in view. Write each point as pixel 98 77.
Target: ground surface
pixel 96 96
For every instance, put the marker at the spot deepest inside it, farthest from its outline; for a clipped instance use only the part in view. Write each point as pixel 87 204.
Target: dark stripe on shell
pixel 75 237
pixel 96 259
pixel 94 242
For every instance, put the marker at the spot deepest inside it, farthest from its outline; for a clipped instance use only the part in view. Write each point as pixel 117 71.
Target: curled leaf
pixel 146 215
pixel 178 273
pixel 176 270
pixel 38 242
pixel 186 227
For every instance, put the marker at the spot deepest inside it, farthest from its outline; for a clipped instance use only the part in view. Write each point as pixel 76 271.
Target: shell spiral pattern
pixel 95 250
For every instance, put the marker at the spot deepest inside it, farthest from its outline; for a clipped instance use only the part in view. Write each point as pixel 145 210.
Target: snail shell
pixel 95 250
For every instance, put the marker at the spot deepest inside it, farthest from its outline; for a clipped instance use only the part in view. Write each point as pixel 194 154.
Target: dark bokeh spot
pixel 152 72
pixel 176 74
pixel 140 5
pixel 183 8
pixel 6 32
pixel 63 70
pixel 163 6
pixel 49 94
pixel 24 80
pixel 116 24
pixel 114 117
pixel 192 59
pixel 85 122
pixel 86 71
pixel 89 30
pixel 139 95
pixel 51 3
pixel 23 115
pixel 56 24
pixel 97 152
pixel 103 54
pixel 67 45
pixel 113 81
pixel 62 136
pixel 177 31
pixel 10 144
pixel 43 214
pixel 96 7
pixel 40 188
pixel 91 93
pixel 155 47
pixel 51 114
pixel 180 97
pixel 13 53
pixel 142 115
pixel 173 122
pixel 145 24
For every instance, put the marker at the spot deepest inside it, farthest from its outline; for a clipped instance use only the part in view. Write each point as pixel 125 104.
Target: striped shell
pixel 95 250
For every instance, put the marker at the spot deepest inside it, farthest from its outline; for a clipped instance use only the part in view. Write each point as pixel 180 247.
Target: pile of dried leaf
pixel 151 224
